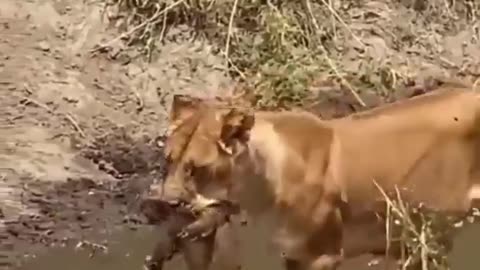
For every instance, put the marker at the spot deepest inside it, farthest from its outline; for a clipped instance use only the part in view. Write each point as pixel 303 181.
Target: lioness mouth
pixel 207 215
pixel 178 203
pixel 157 210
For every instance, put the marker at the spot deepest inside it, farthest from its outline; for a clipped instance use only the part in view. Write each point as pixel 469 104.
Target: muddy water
pixel 128 249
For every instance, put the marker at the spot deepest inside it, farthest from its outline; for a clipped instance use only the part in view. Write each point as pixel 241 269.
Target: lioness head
pixel 204 138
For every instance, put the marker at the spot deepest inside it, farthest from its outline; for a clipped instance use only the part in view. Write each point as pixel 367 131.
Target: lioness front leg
pixel 324 262
pixel 320 249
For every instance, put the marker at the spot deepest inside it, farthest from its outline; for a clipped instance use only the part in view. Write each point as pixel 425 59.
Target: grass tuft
pixel 423 236
pixel 276 48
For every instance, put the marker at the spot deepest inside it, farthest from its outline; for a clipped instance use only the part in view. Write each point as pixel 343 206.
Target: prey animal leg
pixel 209 219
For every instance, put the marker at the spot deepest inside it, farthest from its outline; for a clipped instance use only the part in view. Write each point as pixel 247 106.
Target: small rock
pixel 36 193
pixel 7 245
pixel 373 262
pixel 10 222
pixel 43 46
pixel 85 225
pixel 243 222
pixel 12 231
pixel 44 226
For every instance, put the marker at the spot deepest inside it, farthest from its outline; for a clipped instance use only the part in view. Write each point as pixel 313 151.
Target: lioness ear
pixel 236 126
pixel 183 107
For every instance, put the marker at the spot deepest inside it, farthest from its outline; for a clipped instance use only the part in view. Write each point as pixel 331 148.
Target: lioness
pixel 317 176
pixel 202 235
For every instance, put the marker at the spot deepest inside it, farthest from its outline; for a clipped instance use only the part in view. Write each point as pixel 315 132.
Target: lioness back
pixel 427 146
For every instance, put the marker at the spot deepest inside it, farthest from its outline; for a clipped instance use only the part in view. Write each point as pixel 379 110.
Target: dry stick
pixel 332 18
pixel 139 99
pixel 388 238
pixel 423 251
pixel 450 14
pixel 398 211
pixel 330 62
pixel 164 26
pixel 230 27
pixel 237 69
pixel 67 116
pixel 70 118
pixel 332 10
pixel 210 5
pixel 401 210
pixel 227 43
pixel 152 19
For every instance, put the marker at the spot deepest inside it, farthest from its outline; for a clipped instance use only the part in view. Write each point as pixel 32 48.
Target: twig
pixel 230 27
pixel 332 18
pixel 330 62
pixel 423 251
pixel 67 116
pixel 330 8
pixel 164 26
pixel 447 8
pixel 388 238
pixel 38 104
pixel 140 103
pixel 236 69
pixel 74 123
pixel 27 88
pixel 152 19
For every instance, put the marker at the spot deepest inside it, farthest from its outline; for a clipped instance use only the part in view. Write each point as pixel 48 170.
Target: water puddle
pixel 464 256
pixel 127 251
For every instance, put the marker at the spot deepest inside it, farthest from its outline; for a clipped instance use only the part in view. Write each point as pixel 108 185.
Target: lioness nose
pixel 175 196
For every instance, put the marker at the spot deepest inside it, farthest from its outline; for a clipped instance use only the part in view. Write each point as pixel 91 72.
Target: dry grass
pixel 276 48
pixel 424 235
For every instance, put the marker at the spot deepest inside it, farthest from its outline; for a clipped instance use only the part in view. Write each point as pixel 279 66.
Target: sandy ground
pixel 78 132
pixel 57 100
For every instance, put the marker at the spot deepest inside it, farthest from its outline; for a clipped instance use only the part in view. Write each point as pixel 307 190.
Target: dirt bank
pixel 62 174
